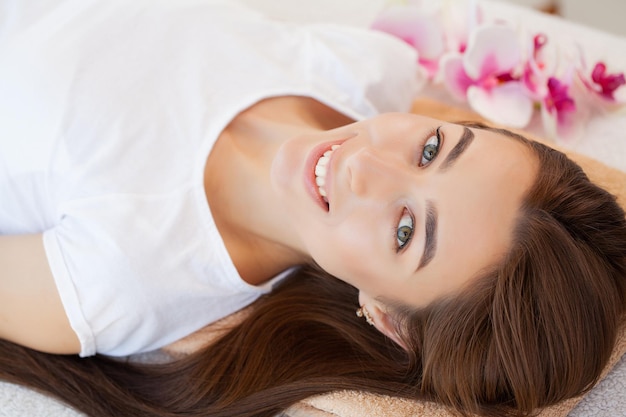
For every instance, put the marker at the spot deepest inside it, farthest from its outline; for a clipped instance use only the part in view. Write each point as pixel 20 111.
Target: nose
pixel 374 174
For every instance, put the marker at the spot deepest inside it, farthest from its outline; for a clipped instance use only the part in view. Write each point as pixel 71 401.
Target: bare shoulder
pixel 31 312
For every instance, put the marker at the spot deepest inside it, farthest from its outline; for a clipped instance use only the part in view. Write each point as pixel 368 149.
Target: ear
pixel 381 319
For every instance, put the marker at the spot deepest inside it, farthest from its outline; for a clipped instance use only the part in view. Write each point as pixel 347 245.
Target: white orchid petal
pixel 573 124
pixel 619 96
pixel 566 126
pixel 459 18
pixel 491 50
pixel 421 30
pixel 506 104
pixel 550 124
pixel 453 76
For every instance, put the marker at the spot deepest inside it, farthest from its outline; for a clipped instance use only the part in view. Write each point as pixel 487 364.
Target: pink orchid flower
pixel 536 72
pixel 562 117
pixel 432 28
pixel 605 84
pixel 487 76
pixel 558 101
pixel 419 27
pixel 460 18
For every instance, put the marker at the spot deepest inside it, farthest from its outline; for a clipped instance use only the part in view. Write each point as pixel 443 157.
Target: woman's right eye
pixel 404 230
pixel 431 148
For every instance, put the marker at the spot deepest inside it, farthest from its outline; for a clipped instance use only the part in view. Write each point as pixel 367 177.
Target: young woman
pixel 164 165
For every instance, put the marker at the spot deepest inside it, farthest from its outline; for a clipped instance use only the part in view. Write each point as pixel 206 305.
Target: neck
pixel 238 187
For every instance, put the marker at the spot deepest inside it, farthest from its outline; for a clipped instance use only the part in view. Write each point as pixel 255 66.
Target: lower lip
pixel 309 172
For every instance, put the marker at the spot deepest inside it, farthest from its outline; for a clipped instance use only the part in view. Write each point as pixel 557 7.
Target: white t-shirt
pixel 108 111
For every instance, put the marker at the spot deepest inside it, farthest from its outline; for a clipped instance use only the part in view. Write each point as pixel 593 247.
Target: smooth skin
pixel 31 312
pixel 375 176
pixel 381 180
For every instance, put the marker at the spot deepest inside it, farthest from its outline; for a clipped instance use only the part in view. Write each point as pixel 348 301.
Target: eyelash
pixel 399 246
pixel 435 133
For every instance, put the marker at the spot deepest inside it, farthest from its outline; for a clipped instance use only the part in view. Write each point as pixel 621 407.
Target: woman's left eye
pixel 431 148
pixel 404 230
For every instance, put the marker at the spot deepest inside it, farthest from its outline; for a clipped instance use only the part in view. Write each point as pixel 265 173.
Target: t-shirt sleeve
pixel 138 272
pixel 380 72
pixel 94 277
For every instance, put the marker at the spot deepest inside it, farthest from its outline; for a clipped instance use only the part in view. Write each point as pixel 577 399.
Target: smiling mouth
pixel 321 169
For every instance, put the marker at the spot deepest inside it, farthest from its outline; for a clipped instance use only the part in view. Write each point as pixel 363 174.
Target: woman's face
pixel 403 207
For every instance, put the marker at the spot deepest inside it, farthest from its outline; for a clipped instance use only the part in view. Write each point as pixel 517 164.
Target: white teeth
pixel 321 170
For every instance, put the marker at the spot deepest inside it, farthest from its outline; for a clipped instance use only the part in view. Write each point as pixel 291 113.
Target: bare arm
pixel 31 313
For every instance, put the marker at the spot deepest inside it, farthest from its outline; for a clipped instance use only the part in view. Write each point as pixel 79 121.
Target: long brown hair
pixel 529 332
pixel 538 327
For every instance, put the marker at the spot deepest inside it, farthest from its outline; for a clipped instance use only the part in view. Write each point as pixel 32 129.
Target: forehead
pixel 478 202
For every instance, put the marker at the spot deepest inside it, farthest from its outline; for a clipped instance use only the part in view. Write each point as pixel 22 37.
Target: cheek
pixel 350 254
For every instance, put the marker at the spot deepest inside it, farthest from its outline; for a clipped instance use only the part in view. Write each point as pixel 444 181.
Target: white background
pixel 608 15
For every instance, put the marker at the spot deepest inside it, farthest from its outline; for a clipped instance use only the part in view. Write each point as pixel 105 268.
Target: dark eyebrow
pixel 430 230
pixel 466 138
